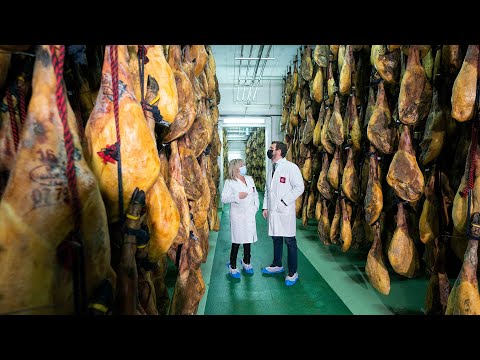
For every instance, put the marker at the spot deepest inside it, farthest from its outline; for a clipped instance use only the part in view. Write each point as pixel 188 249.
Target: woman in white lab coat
pixel 240 192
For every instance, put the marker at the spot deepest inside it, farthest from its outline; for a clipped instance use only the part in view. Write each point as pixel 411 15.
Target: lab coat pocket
pixel 281 207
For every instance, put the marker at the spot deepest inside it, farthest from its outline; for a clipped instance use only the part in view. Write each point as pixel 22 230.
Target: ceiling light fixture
pixel 243 120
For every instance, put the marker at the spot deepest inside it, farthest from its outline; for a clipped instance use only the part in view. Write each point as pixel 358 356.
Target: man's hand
pixel 265 213
pixel 242 195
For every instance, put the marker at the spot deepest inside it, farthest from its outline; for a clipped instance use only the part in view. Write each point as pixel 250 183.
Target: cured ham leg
pixel 428 224
pixel 415 95
pixel 435 128
pixel 163 219
pixel 464 298
pixel 140 162
pixel 404 175
pixel 186 98
pixel 402 253
pixel 190 171
pixel 159 79
pixel 380 131
pixel 464 90
pixel 375 268
pixel 36 210
pixel 350 185
pixel 200 133
pixel 177 190
pixel 189 287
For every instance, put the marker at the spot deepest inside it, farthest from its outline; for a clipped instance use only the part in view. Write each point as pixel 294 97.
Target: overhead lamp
pixel 244 120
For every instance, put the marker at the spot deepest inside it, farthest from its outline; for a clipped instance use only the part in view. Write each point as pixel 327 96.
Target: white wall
pixel 236 150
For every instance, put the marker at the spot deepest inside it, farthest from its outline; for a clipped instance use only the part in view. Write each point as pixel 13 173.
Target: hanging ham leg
pixel 323 185
pixel 159 76
pixel 435 129
pixel 350 185
pixel 465 86
pixel 345 227
pixel 324 225
pixel 336 130
pixel 356 132
pixel 375 268
pixel 336 165
pixel 199 208
pixel 373 202
pixel 190 171
pixel 177 190
pixel 163 219
pixel 380 131
pixel 199 54
pixel 36 210
pixel 335 227
pixel 402 253
pixel 186 98
pixel 345 82
pixel 189 287
pixel 464 298
pixel 428 224
pixel 324 139
pixel 451 59
pixel 387 64
pixel 404 175
pixel 317 132
pixel 415 95
pixel 162 298
pixel 200 133
pixel 140 162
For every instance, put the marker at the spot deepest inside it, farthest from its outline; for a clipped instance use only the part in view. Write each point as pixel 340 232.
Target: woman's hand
pixel 242 195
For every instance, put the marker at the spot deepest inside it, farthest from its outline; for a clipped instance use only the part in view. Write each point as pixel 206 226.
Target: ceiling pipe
pixel 246 74
pixel 239 69
pixel 261 73
pixel 260 51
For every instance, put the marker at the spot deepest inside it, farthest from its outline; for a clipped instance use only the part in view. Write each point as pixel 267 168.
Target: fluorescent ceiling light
pixel 243 120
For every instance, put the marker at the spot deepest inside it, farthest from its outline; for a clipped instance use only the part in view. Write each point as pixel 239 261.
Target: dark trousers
pixel 292 252
pixel 234 252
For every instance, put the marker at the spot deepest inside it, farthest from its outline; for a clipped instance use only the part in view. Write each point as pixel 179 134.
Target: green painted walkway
pixel 331 282
pixel 264 294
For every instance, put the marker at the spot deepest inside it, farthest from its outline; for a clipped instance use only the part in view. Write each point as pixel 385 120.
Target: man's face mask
pixel 270 153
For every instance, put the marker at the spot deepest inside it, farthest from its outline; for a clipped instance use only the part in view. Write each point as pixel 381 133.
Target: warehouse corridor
pixel 331 282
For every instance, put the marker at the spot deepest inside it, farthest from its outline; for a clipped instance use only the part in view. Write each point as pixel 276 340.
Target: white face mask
pixel 243 170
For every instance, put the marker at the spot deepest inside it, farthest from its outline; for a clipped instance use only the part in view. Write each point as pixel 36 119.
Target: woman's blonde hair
pixel 233 167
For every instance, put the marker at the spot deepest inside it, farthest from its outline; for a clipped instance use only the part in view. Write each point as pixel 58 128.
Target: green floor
pixel 330 282
pixel 265 294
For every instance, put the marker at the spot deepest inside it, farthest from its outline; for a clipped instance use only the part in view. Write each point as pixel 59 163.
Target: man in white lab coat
pixel 284 185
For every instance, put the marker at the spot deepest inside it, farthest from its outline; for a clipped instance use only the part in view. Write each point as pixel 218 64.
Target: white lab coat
pixel 287 185
pixel 242 211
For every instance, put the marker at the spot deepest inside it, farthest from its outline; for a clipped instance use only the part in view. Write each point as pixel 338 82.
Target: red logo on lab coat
pixel 282 180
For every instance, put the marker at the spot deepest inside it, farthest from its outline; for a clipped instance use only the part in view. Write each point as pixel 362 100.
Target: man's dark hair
pixel 280 145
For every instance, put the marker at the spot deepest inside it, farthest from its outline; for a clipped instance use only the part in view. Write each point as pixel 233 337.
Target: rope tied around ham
pixel 13 121
pixel 116 111
pixel 21 98
pixel 71 251
pixel 471 170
